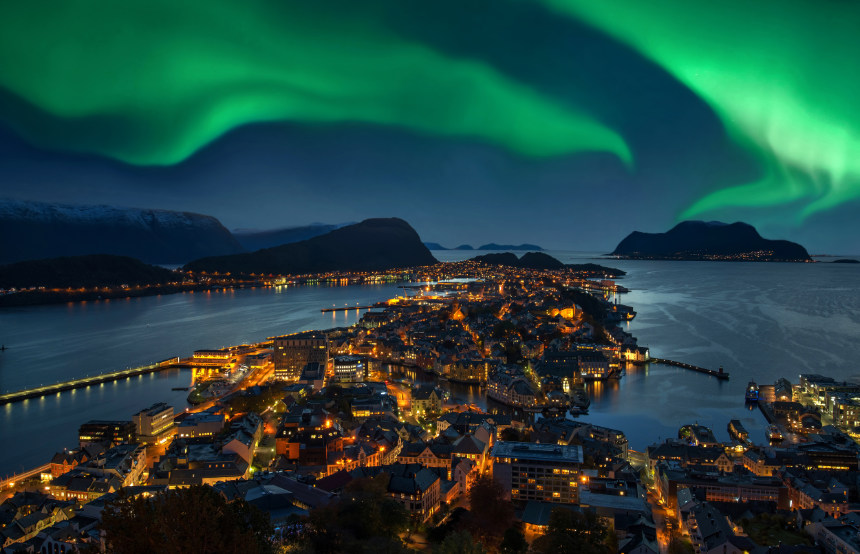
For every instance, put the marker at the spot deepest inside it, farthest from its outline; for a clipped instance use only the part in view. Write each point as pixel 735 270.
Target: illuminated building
pixel 542 472
pixel 349 369
pixel 293 352
pixel 101 431
pixel 154 424
pixel 219 357
pixel 202 424
pixel 593 365
pixel 426 400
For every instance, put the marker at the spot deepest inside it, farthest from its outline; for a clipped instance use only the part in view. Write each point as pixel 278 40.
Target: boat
pixel 736 430
pixel 752 392
pixel 773 433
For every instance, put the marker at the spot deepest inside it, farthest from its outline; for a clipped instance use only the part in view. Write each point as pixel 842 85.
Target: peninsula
pixel 712 241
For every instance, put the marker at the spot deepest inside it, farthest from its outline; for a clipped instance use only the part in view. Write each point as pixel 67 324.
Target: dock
pixel 84 382
pixel 719 374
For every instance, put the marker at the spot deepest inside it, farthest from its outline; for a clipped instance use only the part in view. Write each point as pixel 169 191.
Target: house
pixel 426 401
pixel 417 488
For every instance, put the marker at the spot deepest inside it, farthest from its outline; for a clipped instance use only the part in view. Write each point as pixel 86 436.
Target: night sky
pixel 566 123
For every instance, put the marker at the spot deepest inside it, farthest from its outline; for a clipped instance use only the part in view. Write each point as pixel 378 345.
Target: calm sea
pixel 759 321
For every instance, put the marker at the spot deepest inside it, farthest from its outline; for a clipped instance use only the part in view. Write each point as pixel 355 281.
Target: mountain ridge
pixel 40 230
pixel 371 245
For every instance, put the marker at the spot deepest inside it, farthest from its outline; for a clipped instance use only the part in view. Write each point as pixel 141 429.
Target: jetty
pixel 84 382
pixel 719 374
pixel 346 309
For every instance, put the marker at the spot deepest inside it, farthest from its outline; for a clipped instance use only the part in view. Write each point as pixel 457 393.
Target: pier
pixel 84 382
pixel 346 309
pixel 719 374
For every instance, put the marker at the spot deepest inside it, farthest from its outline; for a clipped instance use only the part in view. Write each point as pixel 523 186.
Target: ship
pixel 624 312
pixel 773 433
pixel 736 430
pixel 752 392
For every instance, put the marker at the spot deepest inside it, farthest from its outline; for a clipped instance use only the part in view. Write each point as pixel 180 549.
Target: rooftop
pixel 538 452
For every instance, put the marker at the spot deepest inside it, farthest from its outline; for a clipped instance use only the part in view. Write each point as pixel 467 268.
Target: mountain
pixel 529 260
pixel 464 247
pixel 97 270
pixel 494 246
pixel 539 260
pixel 372 245
pixel 434 246
pixel 37 230
pixel 256 240
pixel 501 258
pixel 699 240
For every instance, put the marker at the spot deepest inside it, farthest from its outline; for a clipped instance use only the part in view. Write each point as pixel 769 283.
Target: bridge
pixel 36 471
pixel 83 382
pixel 719 374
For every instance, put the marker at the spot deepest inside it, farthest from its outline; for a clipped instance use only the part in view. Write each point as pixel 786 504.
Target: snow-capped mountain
pixel 34 230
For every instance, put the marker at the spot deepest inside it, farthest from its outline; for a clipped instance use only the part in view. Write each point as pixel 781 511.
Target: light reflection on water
pixel 760 321
pixel 48 344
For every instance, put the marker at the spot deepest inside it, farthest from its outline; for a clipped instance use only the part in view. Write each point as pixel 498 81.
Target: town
pixel 304 426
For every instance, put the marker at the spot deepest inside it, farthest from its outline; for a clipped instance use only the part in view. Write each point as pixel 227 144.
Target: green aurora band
pixel 782 75
pixel 150 82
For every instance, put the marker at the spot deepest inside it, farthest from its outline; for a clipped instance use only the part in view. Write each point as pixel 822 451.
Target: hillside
pixel 373 244
pixel 699 240
pixel 257 240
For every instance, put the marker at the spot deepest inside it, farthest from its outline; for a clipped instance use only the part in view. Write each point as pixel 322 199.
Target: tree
pixel 513 542
pixel 677 545
pixel 491 513
pixel 193 520
pixel 571 532
pixel 511 434
pixel 365 519
pixel 459 542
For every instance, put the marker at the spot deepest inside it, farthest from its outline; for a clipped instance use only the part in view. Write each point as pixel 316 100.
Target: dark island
pixel 490 246
pixel 541 261
pixel 846 261
pixel 524 246
pixel 700 240
pixel 84 278
pixel 372 245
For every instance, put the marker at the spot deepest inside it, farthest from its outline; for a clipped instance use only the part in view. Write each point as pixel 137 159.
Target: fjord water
pixel 48 344
pixel 760 321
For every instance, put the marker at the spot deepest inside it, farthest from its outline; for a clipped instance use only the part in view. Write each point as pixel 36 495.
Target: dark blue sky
pixel 453 188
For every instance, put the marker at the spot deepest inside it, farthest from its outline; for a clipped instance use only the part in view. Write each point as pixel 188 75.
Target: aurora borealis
pixel 642 112
pixel 782 76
